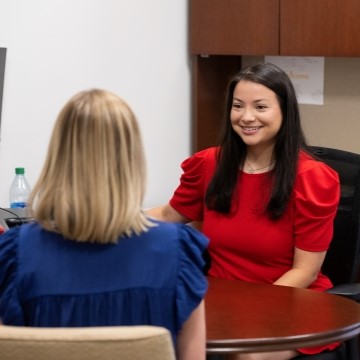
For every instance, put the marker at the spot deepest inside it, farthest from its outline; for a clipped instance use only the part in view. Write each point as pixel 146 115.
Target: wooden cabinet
pixel 233 27
pixel 320 28
pixel 275 27
pixel 221 31
pixel 230 28
pixel 210 76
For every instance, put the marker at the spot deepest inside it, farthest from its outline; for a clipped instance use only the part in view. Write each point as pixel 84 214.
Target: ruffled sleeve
pixel 10 309
pixel 317 193
pixel 188 198
pixel 192 283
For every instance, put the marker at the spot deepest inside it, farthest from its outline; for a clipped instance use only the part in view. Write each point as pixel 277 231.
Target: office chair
pixel 343 257
pixel 91 343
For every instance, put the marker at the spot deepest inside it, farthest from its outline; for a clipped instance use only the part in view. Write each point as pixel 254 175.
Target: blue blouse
pixel 152 279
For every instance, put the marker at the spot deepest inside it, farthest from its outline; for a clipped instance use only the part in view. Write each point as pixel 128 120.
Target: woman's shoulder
pixel 200 162
pixel 184 248
pixel 182 245
pixel 316 180
pixel 308 163
pixel 210 152
pixel 205 155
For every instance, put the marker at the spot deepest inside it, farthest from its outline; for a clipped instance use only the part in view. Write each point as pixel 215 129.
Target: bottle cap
pixel 19 171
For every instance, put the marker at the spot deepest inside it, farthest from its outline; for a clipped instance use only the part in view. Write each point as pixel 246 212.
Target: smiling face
pixel 255 115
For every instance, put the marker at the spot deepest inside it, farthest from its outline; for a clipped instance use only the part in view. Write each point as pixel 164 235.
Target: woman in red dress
pixel 265 203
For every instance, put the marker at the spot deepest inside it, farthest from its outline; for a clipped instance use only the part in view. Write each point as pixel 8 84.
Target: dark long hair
pixel 232 152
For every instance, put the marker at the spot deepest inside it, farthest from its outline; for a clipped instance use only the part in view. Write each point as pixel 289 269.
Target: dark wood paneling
pixel 233 27
pixel 210 77
pixel 228 29
pixel 320 27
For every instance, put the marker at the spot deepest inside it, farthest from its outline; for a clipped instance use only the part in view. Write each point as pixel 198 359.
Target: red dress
pixel 246 244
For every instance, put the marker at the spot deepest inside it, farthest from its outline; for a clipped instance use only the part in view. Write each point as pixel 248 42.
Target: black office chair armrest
pixel 350 291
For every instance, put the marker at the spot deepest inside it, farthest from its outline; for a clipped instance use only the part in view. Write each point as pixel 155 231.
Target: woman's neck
pixel 258 162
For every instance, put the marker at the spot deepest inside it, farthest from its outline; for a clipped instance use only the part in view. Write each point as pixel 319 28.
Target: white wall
pixel 136 48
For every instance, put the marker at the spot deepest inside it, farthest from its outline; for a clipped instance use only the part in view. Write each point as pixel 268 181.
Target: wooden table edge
pixel 275 344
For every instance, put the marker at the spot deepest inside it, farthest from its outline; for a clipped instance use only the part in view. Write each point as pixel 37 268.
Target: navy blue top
pixel 152 279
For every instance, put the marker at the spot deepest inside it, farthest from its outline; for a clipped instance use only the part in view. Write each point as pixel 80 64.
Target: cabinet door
pixel 320 27
pixel 210 76
pixel 234 27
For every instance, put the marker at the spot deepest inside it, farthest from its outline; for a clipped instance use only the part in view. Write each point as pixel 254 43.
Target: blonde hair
pixel 92 184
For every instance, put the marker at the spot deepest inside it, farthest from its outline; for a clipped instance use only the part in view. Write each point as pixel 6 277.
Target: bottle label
pixel 18 204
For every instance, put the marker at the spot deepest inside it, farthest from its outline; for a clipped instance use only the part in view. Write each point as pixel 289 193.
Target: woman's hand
pixel 167 213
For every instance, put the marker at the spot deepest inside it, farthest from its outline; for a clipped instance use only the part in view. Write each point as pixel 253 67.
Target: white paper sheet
pixel 306 74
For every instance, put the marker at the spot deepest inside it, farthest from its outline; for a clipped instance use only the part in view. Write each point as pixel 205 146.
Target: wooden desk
pixel 245 317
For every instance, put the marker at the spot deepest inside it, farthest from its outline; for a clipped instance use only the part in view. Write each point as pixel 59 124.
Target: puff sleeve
pixel 317 193
pixel 188 198
pixel 10 309
pixel 192 283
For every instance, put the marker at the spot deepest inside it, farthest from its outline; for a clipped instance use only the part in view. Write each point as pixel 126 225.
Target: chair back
pixel 343 257
pixel 105 343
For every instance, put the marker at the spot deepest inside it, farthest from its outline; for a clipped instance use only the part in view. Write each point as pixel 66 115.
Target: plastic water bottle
pixel 19 189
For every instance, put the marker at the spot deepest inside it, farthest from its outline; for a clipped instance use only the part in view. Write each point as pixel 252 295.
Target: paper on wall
pixel 306 74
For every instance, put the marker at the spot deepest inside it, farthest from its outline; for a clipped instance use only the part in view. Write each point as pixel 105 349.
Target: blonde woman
pixel 92 258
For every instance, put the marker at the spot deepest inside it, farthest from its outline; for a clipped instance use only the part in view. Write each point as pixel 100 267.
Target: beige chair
pixel 103 343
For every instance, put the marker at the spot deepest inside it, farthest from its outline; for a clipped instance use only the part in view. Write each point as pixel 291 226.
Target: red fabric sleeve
pixel 188 198
pixel 317 193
